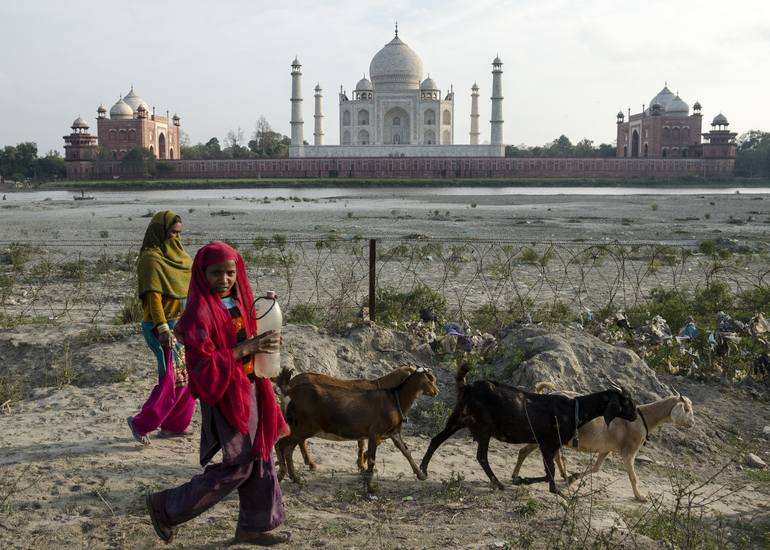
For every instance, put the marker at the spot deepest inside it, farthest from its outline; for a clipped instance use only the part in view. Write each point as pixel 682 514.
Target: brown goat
pixel 389 381
pixel 620 436
pixel 341 413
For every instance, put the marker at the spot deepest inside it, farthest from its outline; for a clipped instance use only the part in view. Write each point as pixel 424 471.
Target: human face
pixel 175 231
pixel 221 277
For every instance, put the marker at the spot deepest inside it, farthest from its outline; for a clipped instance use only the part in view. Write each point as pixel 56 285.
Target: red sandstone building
pixel 131 124
pixel 667 130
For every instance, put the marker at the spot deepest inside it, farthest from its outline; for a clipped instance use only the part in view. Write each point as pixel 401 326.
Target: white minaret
pixel 318 131
pixel 474 114
pixel 496 123
pixel 297 140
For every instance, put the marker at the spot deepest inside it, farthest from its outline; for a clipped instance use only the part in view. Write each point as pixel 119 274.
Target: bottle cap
pixel 271 294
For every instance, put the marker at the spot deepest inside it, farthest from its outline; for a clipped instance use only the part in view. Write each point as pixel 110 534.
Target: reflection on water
pixel 369 192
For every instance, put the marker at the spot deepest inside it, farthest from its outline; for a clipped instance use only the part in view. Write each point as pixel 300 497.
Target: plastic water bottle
pixel 269 317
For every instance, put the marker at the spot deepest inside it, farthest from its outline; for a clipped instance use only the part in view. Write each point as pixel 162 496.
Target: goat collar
pixel 402 416
pixel 576 437
pixel 646 428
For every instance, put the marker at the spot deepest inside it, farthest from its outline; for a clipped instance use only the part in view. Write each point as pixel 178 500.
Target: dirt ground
pixel 71 476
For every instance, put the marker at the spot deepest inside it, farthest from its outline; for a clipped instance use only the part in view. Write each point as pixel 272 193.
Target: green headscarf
pixel 164 265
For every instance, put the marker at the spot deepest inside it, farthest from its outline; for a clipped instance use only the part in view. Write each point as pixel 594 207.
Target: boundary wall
pixel 420 167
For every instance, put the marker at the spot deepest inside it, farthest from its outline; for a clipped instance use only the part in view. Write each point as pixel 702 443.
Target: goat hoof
pixel 517 480
pixel 312 467
pixel 641 498
pixel 499 486
pixel 422 476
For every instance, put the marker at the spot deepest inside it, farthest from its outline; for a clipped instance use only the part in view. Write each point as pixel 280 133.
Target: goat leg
pixel 524 452
pixel 562 465
pixel 288 455
pixel 303 448
pixel 361 463
pixel 398 442
pixel 628 460
pixel 280 445
pixel 482 456
pixel 550 469
pixel 371 455
pixel 452 425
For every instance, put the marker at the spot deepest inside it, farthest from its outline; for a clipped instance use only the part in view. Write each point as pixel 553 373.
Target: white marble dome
pixel 121 110
pixel 429 84
pixel 80 122
pixel 134 101
pixel 677 105
pixel 396 64
pixel 664 97
pixel 720 120
pixel 364 85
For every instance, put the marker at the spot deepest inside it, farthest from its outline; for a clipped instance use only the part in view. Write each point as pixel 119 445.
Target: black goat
pixel 491 409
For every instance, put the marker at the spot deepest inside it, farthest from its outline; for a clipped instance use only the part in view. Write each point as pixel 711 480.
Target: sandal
pixel 141 438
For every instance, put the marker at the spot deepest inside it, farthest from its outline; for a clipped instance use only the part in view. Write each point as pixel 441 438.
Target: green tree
pixel 607 150
pixel 753 154
pixel 140 161
pixel 584 148
pixel 268 143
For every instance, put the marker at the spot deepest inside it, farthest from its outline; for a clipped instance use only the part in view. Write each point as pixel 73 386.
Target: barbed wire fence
pixel 331 281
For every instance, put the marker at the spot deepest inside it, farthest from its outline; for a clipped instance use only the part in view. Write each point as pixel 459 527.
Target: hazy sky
pixel 569 65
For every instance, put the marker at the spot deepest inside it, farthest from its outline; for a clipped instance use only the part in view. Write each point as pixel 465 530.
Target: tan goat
pixel 340 413
pixel 621 436
pixel 391 380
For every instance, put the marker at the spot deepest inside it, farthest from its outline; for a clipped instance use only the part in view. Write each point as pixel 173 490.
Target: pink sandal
pixel 141 438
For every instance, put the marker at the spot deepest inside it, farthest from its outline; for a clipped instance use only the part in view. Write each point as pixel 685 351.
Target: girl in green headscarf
pixel 164 275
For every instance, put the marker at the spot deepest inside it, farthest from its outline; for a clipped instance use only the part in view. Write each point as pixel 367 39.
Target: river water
pixel 372 193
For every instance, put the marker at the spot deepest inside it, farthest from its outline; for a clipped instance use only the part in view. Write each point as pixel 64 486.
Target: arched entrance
pixel 162 146
pixel 635 144
pixel 171 153
pixel 396 126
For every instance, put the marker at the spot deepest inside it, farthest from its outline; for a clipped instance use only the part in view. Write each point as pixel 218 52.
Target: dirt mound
pixel 574 360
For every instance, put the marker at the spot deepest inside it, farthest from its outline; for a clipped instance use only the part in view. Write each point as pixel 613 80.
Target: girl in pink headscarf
pixel 239 413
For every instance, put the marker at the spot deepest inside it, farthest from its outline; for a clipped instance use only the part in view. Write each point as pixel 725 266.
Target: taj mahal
pixel 399 123
pixel 400 112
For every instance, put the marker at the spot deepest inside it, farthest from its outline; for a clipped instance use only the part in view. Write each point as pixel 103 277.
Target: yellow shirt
pixel 159 309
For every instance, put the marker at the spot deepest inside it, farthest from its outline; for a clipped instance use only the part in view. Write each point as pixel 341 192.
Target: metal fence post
pixel 372 277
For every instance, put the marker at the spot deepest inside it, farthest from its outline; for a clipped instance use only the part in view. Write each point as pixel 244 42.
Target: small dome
pixel 697 106
pixel 396 64
pixel 429 84
pixel 720 120
pixel 141 108
pixel 620 114
pixel 318 87
pixel 678 106
pixel 496 61
pixel 364 85
pixel 175 117
pixel 656 107
pixel 101 109
pixel 121 110
pixel 296 62
pixel 80 122
pixel 475 86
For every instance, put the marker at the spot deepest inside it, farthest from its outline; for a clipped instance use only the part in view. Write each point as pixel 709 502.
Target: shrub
pixel 131 312
pixel 394 305
pixel 303 314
